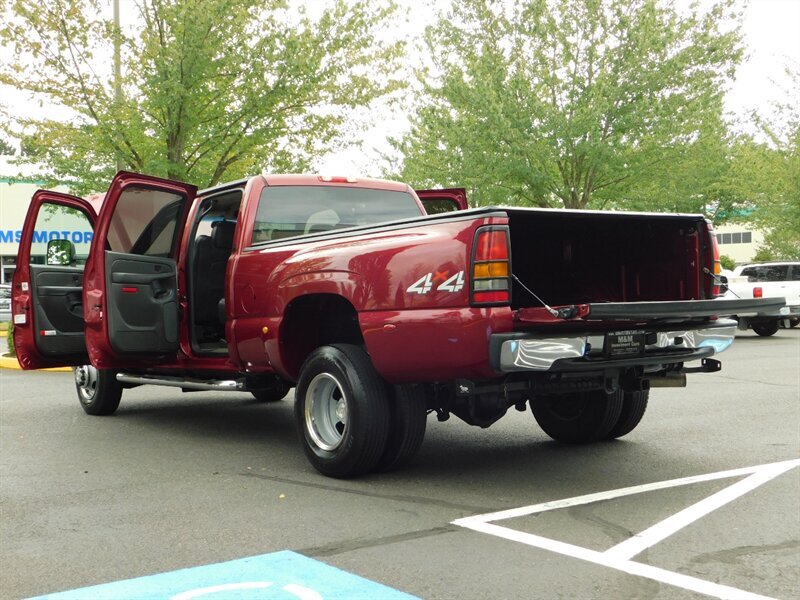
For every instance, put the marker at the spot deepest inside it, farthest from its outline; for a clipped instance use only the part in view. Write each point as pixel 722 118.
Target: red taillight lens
pixel 758 292
pixel 491 245
pixel 490 297
pixel 491 268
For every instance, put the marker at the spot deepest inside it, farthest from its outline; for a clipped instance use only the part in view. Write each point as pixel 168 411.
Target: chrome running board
pixel 219 385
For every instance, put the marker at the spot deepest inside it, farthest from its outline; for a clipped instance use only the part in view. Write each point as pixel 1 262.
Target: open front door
pixel 131 286
pixel 444 200
pixel 47 292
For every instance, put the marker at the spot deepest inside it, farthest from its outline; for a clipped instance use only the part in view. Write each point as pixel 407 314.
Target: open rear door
pixel 131 285
pixel 47 293
pixel 444 200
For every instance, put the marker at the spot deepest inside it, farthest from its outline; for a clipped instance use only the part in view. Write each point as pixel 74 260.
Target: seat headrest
pixel 222 234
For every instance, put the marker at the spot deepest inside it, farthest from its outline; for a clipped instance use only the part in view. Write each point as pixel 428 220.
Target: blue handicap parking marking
pixel 277 576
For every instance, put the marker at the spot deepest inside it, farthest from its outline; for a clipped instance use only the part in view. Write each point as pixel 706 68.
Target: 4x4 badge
pixel 424 284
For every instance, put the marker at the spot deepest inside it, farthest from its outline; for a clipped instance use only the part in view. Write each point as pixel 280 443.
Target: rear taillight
pixel 758 292
pixel 716 268
pixel 491 266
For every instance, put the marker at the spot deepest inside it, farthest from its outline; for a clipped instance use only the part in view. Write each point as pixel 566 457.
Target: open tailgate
pixel 638 311
pixel 683 310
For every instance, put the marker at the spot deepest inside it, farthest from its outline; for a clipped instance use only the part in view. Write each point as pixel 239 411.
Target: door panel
pixel 58 310
pixel 142 303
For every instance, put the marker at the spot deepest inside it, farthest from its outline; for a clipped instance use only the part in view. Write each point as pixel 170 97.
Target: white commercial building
pixel 739 241
pixel 17 186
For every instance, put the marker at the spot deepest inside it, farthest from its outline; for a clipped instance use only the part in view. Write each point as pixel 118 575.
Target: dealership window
pixel 740 237
pixel 8 263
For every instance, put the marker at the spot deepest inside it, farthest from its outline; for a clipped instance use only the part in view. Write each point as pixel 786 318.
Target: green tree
pixel 778 200
pixel 575 103
pixel 209 88
pixel 6 149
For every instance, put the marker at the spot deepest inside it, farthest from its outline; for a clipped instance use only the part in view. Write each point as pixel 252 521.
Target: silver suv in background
pixel 767 280
pixel 5 303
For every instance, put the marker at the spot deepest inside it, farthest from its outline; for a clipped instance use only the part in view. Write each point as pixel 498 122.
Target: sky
pixel 771 30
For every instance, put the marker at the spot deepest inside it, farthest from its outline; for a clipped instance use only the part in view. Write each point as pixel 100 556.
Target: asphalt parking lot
pixel 709 480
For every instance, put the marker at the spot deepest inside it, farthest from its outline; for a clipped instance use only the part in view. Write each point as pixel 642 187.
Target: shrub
pixel 727 262
pixel 11 349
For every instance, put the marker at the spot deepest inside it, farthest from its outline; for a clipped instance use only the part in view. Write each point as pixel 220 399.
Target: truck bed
pixel 576 257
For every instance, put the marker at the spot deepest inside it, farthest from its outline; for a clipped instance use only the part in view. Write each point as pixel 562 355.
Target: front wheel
pixel 794 322
pixel 767 328
pixel 342 411
pixel 99 392
pixel 578 417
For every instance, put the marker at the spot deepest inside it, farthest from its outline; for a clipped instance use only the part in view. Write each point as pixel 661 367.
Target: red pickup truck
pixel 376 312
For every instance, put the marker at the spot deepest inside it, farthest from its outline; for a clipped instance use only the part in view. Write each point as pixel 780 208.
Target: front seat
pixel 210 261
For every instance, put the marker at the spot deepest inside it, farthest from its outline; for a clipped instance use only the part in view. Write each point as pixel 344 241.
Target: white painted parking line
pixel 619 556
pixel 651 536
pixel 611 494
pixel 628 566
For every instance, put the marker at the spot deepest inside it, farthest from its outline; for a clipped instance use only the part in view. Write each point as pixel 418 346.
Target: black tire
pixel 578 417
pixel 766 328
pixel 342 411
pixel 274 393
pixel 99 392
pixel 407 423
pixel 634 405
pixel 794 322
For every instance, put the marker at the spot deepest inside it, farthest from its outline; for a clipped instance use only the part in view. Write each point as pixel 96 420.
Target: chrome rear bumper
pixel 525 352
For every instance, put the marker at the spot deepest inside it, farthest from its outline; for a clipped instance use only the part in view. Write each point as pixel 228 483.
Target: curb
pixel 10 362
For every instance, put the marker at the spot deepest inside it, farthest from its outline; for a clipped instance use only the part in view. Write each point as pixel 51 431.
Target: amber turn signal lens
pixel 490 269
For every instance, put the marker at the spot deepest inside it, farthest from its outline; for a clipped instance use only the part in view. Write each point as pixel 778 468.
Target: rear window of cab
pixel 290 211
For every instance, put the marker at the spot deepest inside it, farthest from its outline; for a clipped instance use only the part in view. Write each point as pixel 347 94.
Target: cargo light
pixel 337 179
pixel 491 269
pixel 758 292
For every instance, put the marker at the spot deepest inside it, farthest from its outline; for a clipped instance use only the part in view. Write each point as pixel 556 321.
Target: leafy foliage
pixel 6 149
pixel 209 87
pixel 779 178
pixel 727 262
pixel 575 103
pixel 12 349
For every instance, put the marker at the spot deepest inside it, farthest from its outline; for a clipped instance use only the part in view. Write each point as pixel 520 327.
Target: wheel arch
pixel 315 320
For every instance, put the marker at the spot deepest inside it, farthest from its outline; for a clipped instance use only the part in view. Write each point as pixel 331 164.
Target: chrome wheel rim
pixel 86 382
pixel 326 412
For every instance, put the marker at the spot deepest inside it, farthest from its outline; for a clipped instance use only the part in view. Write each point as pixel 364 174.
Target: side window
pixel 795 272
pixel 144 222
pixel 70 225
pixel 437 206
pixel 766 273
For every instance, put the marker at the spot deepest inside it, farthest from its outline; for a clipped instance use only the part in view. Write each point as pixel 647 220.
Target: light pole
pixel 117 72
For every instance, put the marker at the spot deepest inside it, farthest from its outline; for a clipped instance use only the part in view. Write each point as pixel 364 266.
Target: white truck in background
pixel 766 280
